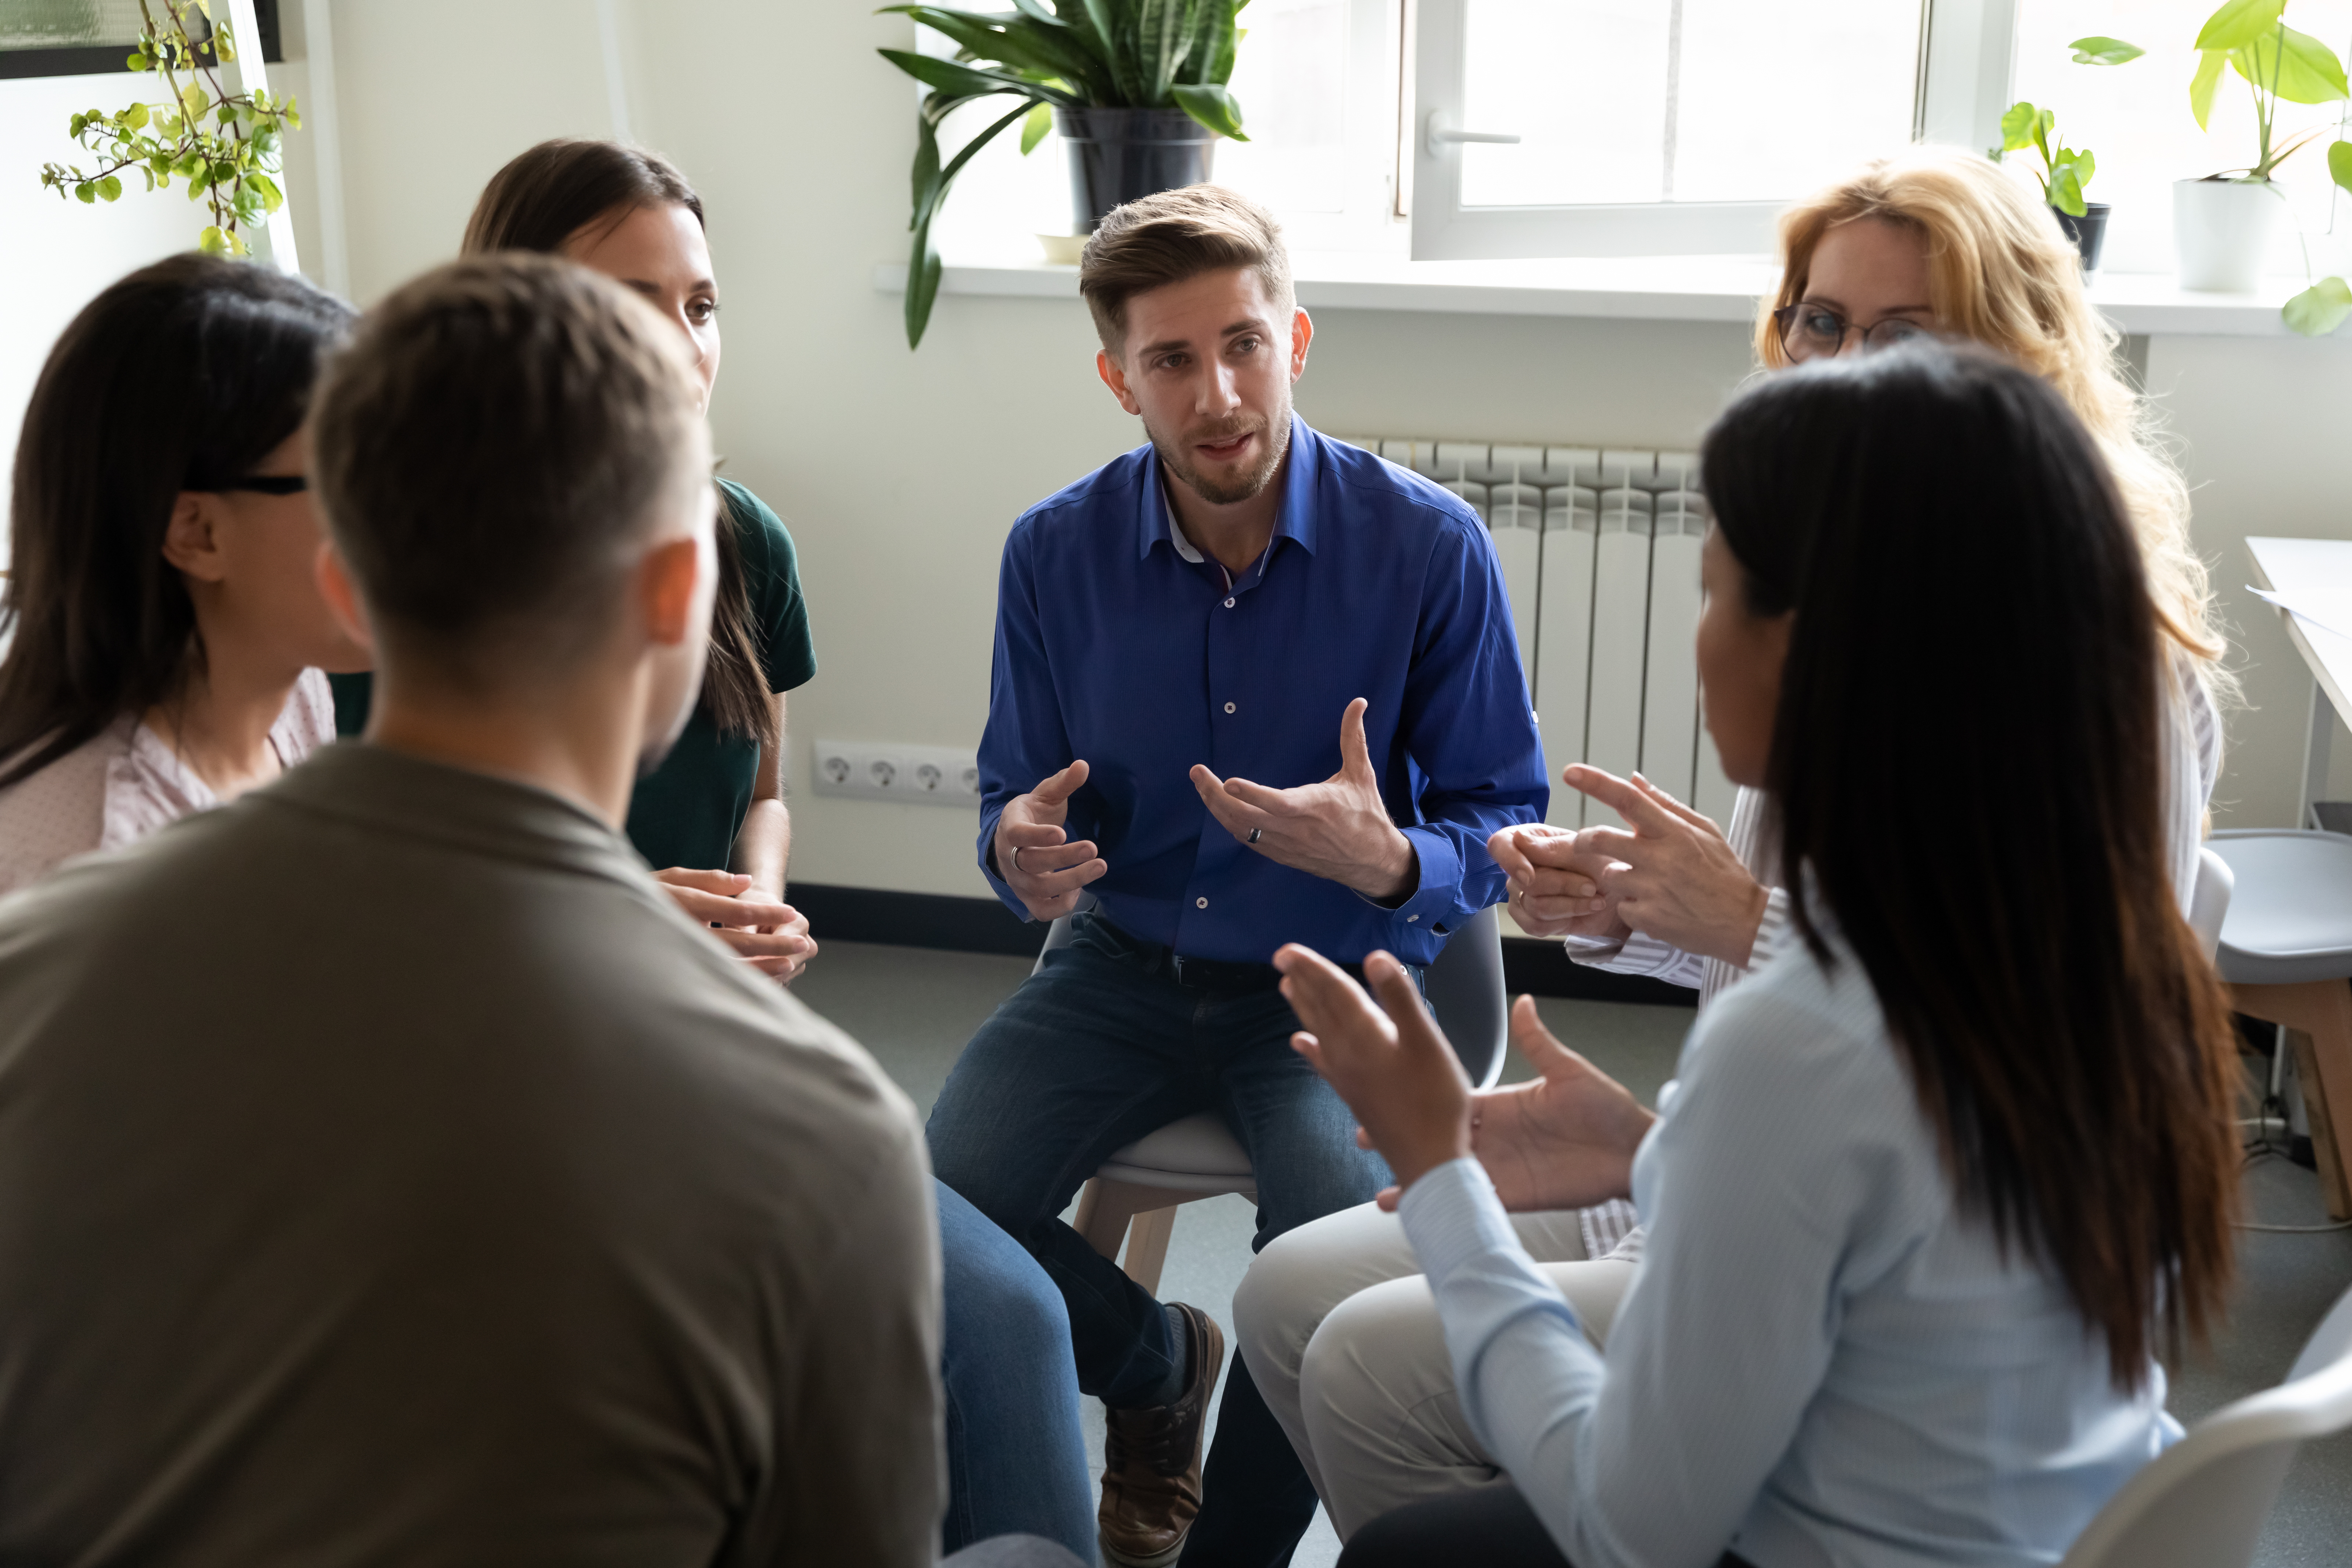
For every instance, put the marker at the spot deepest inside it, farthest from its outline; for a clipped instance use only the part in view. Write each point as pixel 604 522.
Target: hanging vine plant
pixel 224 147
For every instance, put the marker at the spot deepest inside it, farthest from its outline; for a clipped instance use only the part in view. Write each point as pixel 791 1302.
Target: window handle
pixel 1441 134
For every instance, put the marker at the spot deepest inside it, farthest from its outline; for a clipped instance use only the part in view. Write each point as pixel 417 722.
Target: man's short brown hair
pixel 1173 237
pixel 498 435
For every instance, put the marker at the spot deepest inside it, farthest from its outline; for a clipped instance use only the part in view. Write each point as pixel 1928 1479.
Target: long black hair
pixel 540 199
pixel 182 376
pixel 1966 763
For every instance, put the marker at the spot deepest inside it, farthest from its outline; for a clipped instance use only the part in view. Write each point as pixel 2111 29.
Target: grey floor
pixel 914 1009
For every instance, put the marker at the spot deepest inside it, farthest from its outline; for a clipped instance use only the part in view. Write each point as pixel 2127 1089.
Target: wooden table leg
pixel 2321 1009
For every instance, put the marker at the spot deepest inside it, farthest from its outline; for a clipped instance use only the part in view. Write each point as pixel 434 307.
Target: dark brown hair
pixel 497 436
pixel 182 376
pixel 538 202
pixel 1173 237
pixel 1967 765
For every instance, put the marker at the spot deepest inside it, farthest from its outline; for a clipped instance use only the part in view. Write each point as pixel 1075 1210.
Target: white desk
pixel 2322 567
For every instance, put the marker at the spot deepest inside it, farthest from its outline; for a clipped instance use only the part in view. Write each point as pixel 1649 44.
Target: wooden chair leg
pixel 1102 1216
pixel 1146 1246
pixel 2321 1009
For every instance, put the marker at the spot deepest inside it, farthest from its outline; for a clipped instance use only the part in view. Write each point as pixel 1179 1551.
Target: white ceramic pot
pixel 2221 231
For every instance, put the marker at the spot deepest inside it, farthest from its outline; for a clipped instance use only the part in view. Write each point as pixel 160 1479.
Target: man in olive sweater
pixel 389 1172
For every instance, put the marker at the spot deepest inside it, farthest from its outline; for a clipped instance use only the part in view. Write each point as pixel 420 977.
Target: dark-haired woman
pixel 168 636
pixel 1947 1175
pixel 711 819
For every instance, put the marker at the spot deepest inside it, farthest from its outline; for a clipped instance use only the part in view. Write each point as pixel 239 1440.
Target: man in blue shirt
pixel 1251 686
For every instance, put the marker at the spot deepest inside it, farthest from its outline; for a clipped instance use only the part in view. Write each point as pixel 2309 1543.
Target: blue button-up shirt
pixel 1111 645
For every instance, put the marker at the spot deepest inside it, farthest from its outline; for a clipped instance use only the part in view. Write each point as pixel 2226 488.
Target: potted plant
pixel 2064 171
pixel 2222 225
pixel 224 146
pixel 1135 87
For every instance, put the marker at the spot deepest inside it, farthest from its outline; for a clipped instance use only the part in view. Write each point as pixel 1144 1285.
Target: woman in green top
pixel 712 816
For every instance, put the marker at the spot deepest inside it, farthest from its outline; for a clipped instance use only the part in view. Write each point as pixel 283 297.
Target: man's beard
pixel 1177 457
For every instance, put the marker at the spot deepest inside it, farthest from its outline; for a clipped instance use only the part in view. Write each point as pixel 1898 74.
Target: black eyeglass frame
pixel 1784 319
pixel 266 484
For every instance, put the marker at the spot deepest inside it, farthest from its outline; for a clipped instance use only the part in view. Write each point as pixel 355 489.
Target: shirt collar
pixel 1294 518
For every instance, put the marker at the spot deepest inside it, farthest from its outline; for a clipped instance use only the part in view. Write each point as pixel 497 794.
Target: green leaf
pixel 2239 23
pixel 1213 106
pixel 2320 309
pixel 110 189
pixel 951 77
pixel 2205 84
pixel 85 192
pixel 2340 163
pixel 1033 129
pixel 192 102
pixel 272 198
pixel 212 241
pixel 2098 50
pixel 135 117
pixel 1008 41
pixel 1116 43
pixel 2304 70
pixel 2066 191
pixel 1210 62
pixel 1036 11
pixel 2016 127
pixel 136 62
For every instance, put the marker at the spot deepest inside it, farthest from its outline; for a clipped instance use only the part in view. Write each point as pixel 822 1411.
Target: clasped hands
pixel 1674 876
pixel 1565 1139
pixel 1338 829
pixel 771 937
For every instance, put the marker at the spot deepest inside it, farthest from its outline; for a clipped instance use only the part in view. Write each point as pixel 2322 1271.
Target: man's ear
pixel 1302 333
pixel 335 586
pixel 667 575
pixel 191 542
pixel 1114 375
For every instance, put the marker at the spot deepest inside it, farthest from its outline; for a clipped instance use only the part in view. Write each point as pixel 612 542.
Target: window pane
pixel 1290 76
pixel 2135 119
pixel 1649 101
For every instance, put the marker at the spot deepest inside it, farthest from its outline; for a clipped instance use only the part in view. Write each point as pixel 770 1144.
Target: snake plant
pixel 1056 53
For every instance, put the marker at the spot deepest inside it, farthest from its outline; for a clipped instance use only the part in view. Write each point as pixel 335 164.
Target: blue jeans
pixel 1016 1453
pixel 1100 1046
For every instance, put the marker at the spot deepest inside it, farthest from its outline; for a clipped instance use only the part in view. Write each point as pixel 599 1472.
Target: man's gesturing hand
pixel 1030 851
pixel 1338 829
pixel 1390 1063
pixel 1555 882
pixel 1676 878
pixel 1565 1139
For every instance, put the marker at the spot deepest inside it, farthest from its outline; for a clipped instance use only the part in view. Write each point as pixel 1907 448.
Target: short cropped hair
pixel 1173 237
pixel 498 435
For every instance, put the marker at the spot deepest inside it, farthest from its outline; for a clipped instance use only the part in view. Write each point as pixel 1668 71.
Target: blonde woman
pixel 1933 241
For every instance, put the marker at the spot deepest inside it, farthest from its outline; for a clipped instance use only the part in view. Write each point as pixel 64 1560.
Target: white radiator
pixel 1599 549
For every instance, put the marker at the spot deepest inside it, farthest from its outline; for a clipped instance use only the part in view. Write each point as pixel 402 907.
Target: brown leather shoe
pixel 1151 1460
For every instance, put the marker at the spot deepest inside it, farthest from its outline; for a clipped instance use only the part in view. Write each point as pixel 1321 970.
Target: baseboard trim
pixel 945 922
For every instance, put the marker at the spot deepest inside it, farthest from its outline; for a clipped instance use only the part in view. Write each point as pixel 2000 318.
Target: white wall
pixel 900 473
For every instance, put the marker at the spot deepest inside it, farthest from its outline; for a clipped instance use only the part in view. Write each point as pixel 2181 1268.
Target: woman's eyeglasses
pixel 1816 331
pixel 268 484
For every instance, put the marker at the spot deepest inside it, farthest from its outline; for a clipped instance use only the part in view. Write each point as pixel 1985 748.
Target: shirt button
pixel 1229 707
pixel 1229 604
pixel 1200 903
pixel 1413 919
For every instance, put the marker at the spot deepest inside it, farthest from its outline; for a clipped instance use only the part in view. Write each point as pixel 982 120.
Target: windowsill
pixel 1647 289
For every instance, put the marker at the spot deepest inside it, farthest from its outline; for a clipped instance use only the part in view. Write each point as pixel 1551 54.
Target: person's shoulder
pixel 1366 479
pixel 766 543
pixel 1804 1032
pixel 59 811
pixel 1077 507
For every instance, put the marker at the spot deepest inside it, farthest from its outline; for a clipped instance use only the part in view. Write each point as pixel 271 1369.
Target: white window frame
pixel 1963 85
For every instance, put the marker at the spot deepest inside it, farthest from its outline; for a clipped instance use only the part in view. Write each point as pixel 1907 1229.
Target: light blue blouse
pixel 1821 1363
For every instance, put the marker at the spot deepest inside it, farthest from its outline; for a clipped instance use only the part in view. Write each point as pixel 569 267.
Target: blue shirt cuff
pixel 1440 887
pixel 996 884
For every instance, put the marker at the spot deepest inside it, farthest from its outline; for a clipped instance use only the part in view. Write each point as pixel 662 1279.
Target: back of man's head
pixel 493 452
pixel 1174 235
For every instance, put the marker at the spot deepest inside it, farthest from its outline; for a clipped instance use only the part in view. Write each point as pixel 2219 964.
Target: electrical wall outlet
pixel 882 770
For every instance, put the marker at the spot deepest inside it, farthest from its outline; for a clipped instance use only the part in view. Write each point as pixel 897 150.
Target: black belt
pixel 1212 973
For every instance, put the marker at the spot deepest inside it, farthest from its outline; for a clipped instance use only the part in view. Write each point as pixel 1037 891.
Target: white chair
pixel 2202 1502
pixel 2209 900
pixel 1134 1196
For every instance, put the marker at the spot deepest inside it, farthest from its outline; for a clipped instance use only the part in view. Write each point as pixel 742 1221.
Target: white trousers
pixel 1343 1338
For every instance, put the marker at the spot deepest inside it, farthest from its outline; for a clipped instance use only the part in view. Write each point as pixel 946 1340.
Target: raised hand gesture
pixel 1675 877
pixel 1563 1139
pixel 1030 849
pixel 1338 829
pixel 1390 1063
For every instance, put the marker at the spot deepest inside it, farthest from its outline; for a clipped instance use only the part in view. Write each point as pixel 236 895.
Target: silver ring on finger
pixel 1016 858
pixel 1256 833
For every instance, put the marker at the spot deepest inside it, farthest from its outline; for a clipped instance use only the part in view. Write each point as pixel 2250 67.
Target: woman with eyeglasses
pixel 1931 243
pixel 165 636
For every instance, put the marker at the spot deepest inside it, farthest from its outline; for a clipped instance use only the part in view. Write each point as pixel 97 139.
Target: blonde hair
pixel 1170 238
pixel 2000 272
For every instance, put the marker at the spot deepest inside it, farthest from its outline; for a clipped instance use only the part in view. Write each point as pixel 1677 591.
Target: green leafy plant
pixel 2277 65
pixel 225 146
pixel 1056 53
pixel 2064 171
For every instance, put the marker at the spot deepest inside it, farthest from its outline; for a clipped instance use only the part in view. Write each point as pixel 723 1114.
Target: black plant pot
pixel 2088 232
pixel 1120 155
